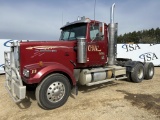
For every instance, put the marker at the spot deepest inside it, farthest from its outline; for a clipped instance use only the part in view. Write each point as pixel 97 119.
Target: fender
pixel 131 64
pixel 51 68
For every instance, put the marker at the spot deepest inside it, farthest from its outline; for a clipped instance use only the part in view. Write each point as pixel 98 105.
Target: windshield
pixel 73 32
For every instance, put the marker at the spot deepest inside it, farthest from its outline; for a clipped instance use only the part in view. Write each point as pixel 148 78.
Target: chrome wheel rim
pixel 140 73
pixel 151 71
pixel 55 92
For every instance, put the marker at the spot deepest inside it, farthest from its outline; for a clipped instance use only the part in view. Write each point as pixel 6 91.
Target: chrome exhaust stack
pixel 112 43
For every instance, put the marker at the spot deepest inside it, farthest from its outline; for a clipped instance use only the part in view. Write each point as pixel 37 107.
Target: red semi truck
pixel 85 55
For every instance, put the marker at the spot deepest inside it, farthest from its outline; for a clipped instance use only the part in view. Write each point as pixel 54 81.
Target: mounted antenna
pixel 62 18
pixel 94 9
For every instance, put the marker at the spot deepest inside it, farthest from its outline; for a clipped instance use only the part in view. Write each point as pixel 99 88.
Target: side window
pixel 94 32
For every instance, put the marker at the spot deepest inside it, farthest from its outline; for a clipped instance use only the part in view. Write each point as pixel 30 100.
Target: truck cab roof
pixel 79 20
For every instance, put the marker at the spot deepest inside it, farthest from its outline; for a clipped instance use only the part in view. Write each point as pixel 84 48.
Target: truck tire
pixel 129 79
pixel 148 71
pixel 137 75
pixel 53 91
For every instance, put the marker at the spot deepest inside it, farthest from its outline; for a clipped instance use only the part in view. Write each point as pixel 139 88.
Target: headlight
pixel 26 72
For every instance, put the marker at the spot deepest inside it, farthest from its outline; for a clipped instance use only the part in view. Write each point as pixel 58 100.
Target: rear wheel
pixel 138 73
pixel 53 91
pixel 148 71
pixel 129 76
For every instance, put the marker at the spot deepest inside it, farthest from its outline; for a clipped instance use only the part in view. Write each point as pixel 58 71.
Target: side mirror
pixel 101 29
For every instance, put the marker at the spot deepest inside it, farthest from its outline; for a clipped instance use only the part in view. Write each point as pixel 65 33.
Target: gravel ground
pixel 118 100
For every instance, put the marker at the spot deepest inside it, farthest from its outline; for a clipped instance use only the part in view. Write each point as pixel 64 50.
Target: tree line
pixel 144 36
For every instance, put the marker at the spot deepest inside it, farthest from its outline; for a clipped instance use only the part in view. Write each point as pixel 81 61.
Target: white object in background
pixel 140 52
pixel 4 46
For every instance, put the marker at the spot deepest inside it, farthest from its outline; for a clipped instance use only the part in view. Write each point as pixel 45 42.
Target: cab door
pixel 97 46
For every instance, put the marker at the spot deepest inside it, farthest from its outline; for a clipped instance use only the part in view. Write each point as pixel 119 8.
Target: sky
pixel 42 19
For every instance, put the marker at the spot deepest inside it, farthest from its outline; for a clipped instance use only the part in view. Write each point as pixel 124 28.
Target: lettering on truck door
pixel 96 48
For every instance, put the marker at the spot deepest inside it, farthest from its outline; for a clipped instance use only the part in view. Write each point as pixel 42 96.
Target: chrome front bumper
pixel 13 83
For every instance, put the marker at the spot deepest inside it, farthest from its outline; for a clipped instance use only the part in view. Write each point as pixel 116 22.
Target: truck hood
pixel 34 52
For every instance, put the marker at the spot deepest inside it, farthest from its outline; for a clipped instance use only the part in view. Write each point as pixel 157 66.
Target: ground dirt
pixel 118 100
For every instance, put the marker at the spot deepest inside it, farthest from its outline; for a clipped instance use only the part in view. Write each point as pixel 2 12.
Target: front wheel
pixel 53 91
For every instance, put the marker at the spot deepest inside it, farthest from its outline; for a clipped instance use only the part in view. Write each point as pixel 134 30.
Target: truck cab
pixel 94 36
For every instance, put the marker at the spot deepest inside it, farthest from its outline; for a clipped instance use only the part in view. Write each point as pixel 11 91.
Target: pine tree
pixel 144 36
